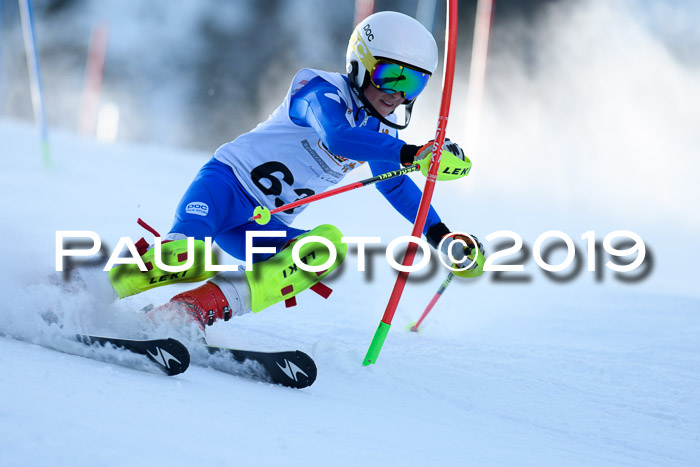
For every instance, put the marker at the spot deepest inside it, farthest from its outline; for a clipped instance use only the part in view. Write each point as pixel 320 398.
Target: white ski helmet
pixel 394 53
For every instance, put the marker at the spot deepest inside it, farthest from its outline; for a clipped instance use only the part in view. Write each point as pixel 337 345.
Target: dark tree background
pixel 196 73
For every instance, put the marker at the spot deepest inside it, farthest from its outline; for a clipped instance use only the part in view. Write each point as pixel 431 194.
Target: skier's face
pixel 382 102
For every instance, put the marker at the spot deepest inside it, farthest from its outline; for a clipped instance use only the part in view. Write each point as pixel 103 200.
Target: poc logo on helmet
pixel 368 32
pixel 198 208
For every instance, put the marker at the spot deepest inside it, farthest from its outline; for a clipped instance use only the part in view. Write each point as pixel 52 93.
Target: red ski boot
pixel 204 305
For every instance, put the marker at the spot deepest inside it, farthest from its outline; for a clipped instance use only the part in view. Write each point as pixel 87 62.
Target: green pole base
pixel 377 342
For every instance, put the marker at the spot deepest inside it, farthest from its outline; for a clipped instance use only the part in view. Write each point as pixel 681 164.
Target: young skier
pixel 327 125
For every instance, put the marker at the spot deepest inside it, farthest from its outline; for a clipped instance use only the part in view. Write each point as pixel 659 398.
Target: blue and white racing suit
pixel 317 135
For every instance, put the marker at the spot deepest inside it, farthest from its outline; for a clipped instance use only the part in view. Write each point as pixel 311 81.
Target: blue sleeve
pixel 403 194
pixel 319 105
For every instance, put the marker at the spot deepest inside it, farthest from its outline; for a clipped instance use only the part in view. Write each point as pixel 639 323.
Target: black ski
pixel 171 355
pixel 293 368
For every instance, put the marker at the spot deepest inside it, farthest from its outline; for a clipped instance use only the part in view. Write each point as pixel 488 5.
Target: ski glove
pixel 454 163
pixel 467 251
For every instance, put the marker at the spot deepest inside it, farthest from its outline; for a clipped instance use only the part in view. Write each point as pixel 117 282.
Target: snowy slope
pixel 589 124
pixel 535 373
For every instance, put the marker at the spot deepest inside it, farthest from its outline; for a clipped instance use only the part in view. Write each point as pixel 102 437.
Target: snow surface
pixel 534 373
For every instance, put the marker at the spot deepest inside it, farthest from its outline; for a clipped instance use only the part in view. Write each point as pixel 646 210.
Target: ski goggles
pixel 393 77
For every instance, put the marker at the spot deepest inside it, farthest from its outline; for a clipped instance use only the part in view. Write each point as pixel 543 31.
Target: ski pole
pixel 447 81
pixel 432 303
pixel 262 217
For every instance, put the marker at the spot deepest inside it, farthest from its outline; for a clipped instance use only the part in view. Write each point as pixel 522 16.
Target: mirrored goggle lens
pixel 392 77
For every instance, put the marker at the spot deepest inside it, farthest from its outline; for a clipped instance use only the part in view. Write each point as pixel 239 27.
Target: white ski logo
pixel 291 370
pixel 162 357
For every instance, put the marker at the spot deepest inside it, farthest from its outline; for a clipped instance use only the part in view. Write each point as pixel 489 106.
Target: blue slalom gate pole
pixel 1 54
pixel 0 43
pixel 28 32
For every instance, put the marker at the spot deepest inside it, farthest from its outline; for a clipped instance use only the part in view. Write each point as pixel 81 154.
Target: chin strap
pixel 368 112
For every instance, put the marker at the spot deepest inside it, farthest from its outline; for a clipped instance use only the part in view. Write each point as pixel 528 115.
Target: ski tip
pixel 179 358
pixel 291 368
pixel 300 375
pixel 170 354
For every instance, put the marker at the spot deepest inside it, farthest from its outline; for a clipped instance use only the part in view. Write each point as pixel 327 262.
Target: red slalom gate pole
pixel 94 74
pixel 448 78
